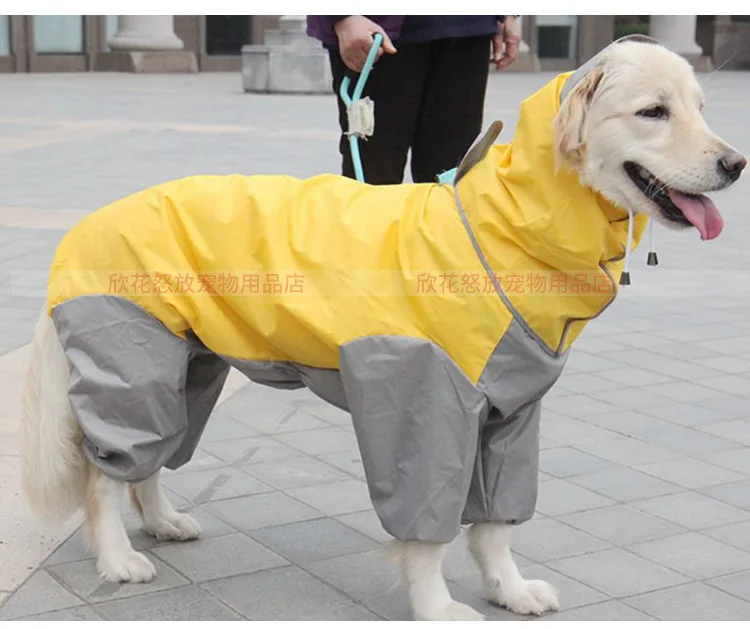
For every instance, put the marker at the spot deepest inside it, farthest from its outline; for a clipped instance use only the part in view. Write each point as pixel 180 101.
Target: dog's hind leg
pixel 116 560
pixel 489 543
pixel 159 516
pixel 421 565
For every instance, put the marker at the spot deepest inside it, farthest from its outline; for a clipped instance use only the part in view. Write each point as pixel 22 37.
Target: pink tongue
pixel 701 212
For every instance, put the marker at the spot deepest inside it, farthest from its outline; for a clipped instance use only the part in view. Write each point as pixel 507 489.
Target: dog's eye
pixel 658 111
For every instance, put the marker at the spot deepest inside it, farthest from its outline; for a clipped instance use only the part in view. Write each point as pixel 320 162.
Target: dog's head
pixel 633 130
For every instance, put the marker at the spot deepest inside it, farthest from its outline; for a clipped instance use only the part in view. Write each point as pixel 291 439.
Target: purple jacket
pixel 420 28
pixel 321 26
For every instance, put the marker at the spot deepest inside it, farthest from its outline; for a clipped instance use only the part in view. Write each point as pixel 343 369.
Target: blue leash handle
pixel 356 95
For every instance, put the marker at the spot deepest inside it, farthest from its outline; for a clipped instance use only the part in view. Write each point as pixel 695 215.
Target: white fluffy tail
pixel 53 468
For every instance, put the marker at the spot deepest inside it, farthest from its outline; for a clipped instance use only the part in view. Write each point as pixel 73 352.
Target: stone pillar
pixel 677 32
pixel 148 44
pixel 527 61
pixel 289 62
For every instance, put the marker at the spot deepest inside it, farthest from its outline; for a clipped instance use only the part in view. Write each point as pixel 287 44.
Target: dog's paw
pixel 452 611
pixel 531 597
pixel 132 566
pixel 174 526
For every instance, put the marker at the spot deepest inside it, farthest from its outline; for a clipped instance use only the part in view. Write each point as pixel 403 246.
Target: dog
pixel 444 389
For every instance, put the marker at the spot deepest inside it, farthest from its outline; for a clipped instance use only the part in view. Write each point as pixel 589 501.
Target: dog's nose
pixel 732 164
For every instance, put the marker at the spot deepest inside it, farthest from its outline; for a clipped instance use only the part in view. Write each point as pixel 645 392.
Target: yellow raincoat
pixel 437 315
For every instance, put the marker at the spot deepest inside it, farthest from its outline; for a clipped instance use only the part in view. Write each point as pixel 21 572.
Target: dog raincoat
pixel 438 316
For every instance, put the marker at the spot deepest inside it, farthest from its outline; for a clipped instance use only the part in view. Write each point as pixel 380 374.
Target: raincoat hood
pixel 516 193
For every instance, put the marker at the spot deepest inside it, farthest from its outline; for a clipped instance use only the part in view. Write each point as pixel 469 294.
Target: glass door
pixel 6 45
pixel 61 43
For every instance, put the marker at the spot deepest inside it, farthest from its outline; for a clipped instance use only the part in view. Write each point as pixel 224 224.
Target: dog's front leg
pixel 421 565
pixel 159 516
pixel 105 531
pixel 489 543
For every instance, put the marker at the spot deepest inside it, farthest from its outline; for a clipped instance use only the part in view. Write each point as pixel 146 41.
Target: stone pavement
pixel 644 501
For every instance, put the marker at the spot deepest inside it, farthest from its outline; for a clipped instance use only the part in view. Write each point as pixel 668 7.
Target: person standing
pixel 428 85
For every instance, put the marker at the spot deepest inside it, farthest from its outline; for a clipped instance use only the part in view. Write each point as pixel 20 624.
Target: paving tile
pixel 628 452
pixel 618 573
pixel 624 484
pixel 728 383
pixel 682 391
pixel 201 460
pixel 219 557
pixel 292 420
pixel 629 423
pixel 320 441
pixel 691 602
pixel 251 450
pixel 737 493
pixel 737 460
pixel 265 596
pixel 557 497
pixel 609 610
pixel 295 473
pixel 737 534
pixel 585 383
pixel 621 524
pixel 586 362
pixel 218 484
pixel 729 364
pixel 583 405
pixel 327 412
pixel 72 614
pixel 222 428
pixel 694 555
pixel 548 539
pixel 735 430
pixel 255 512
pixel 634 377
pixel 38 594
pixel 367 523
pixel 363 576
pixel 734 406
pixel 335 498
pixel 685 414
pixel 688 441
pixel 312 540
pixel 629 398
pixel 189 603
pixel 567 431
pixel 690 473
pixel 692 510
pixel 737 584
pixel 564 462
pixel 349 462
pixel 81 577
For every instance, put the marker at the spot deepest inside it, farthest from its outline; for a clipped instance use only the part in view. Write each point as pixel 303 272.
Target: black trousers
pixel 428 98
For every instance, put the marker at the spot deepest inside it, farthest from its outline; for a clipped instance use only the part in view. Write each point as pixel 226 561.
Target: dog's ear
pixel 569 125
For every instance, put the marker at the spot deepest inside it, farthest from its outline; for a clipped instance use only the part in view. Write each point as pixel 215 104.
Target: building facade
pixel 80 43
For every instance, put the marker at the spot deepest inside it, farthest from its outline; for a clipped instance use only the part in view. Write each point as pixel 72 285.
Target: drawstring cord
pixel 652 260
pixel 625 277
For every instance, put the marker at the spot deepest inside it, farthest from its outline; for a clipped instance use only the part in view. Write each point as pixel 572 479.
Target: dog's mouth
pixel 678 207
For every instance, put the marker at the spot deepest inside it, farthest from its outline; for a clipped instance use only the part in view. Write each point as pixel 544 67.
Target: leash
pixel 361 114
pixel 360 111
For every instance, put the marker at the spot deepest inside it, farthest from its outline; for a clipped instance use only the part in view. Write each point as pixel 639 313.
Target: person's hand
pixel 355 40
pixel 506 43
